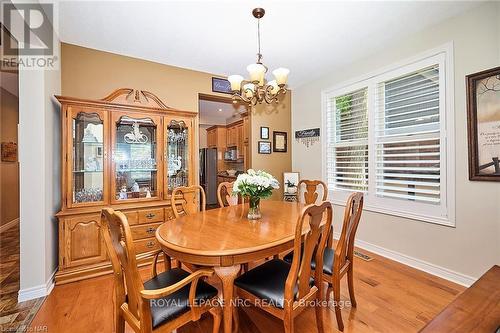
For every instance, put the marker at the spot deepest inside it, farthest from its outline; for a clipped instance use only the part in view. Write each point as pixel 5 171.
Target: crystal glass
pixel 177 154
pixel 135 158
pixel 88 160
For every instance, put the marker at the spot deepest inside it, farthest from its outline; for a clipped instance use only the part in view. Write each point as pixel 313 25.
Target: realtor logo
pixel 31 24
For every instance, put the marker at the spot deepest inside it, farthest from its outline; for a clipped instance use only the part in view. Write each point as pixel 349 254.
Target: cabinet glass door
pixel 135 158
pixel 87 155
pixel 177 153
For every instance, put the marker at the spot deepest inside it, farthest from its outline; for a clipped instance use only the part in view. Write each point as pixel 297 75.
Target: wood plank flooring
pixel 391 298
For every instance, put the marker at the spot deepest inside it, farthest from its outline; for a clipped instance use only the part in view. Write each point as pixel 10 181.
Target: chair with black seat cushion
pixel 225 195
pixel 193 200
pixel 163 303
pixel 311 194
pixel 339 261
pixel 286 289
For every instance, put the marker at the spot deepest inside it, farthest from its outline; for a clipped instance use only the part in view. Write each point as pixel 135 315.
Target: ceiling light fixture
pixel 257 89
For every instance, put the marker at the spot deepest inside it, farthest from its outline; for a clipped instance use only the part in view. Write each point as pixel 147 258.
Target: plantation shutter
pixel 347 141
pixel 407 137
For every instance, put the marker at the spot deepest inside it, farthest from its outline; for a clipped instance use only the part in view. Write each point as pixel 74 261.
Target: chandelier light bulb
pixel 274 86
pixel 281 75
pixel 248 90
pixel 257 72
pixel 235 81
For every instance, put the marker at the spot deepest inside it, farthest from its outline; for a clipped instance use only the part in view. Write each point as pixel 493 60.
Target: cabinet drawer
pixel 144 231
pixel 151 215
pixel 146 245
pixel 131 217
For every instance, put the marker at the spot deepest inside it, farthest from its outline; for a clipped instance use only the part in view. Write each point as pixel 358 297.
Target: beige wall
pixel 89 73
pixel 278 118
pixel 9 171
pixel 474 244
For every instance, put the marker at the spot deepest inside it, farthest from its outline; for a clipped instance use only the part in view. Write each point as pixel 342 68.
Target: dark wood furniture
pixel 193 199
pixel 311 193
pixel 165 302
pixel 102 157
pixel 476 310
pixel 225 239
pixel 284 290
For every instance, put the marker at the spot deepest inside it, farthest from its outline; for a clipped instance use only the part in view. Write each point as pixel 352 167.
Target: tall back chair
pixel 288 287
pixel 194 199
pixel 311 190
pixel 165 302
pixel 341 261
pixel 225 195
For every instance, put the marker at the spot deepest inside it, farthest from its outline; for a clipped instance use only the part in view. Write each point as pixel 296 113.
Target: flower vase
pixel 254 208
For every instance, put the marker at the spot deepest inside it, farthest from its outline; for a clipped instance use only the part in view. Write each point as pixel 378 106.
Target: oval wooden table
pixel 224 239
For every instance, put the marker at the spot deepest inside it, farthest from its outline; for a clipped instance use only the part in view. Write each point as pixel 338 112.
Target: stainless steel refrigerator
pixel 208 173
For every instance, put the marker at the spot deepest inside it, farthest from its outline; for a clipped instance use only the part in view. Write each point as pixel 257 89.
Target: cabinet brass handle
pixel 150 216
pixel 151 230
pixel 150 244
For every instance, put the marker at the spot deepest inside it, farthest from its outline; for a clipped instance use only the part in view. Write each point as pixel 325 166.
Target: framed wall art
pixel 280 142
pixel 264 133
pixel 264 147
pixel 221 85
pixel 483 124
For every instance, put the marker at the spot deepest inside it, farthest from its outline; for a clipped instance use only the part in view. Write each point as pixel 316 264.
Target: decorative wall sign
pixel 221 85
pixel 308 136
pixel 279 142
pixel 9 152
pixel 264 147
pixel 483 122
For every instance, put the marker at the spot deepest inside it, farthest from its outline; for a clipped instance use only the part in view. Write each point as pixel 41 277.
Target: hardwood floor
pixel 13 315
pixel 391 298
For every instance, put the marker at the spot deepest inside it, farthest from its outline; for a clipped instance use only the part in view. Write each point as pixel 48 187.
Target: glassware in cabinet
pixel 135 157
pixel 177 137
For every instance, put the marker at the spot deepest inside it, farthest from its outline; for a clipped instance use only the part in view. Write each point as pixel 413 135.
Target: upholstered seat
pixel 177 303
pixel 267 282
pixel 328 257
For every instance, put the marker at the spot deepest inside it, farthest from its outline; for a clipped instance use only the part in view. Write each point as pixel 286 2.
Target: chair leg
pixel 289 326
pixel 120 322
pixel 350 283
pixel 336 299
pixel 236 320
pixel 216 313
pixel 319 317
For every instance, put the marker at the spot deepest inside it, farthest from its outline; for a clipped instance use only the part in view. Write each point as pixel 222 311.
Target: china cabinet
pixel 127 151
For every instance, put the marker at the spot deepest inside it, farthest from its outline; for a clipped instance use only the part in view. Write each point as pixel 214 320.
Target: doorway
pixel 9 194
pixel 221 156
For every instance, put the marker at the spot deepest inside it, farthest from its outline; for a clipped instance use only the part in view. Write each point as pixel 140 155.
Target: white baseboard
pixel 419 264
pixel 37 291
pixel 9 225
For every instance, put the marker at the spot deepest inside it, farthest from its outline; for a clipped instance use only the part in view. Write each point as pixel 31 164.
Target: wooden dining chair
pixel 285 289
pixel 193 197
pixel 339 261
pixel 163 303
pixel 311 190
pixel 225 195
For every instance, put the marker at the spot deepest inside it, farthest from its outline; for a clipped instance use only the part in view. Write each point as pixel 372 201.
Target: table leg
pixel 227 276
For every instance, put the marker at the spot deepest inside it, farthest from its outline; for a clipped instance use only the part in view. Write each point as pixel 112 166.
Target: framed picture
pixel 483 124
pixel 221 85
pixel 264 133
pixel 264 147
pixel 290 182
pixel 9 152
pixel 279 142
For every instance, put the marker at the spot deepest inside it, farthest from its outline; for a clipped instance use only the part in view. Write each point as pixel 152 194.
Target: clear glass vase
pixel 254 209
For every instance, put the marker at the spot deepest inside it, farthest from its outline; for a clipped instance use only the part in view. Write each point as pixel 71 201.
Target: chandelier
pixel 257 89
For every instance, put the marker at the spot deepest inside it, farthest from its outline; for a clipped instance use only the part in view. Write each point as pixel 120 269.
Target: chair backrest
pixel 314 242
pixel 345 245
pixel 311 188
pixel 194 199
pixel 225 195
pixel 120 245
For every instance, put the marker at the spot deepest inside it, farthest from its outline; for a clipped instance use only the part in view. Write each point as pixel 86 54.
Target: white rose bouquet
pixel 255 185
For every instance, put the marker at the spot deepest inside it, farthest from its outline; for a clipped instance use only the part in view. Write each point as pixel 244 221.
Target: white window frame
pixel 444 213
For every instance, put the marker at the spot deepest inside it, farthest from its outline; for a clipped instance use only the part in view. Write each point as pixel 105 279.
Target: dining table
pixel 225 239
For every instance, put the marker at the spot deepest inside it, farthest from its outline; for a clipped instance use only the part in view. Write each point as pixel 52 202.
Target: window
pixel 386 135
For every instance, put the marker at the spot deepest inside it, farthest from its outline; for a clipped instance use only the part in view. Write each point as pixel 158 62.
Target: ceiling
pixel 219 113
pixel 308 37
